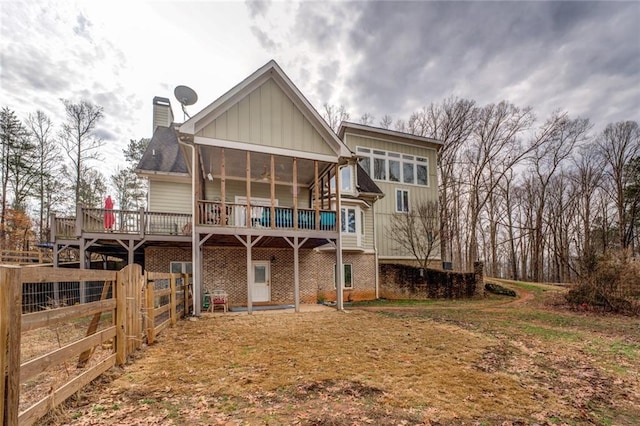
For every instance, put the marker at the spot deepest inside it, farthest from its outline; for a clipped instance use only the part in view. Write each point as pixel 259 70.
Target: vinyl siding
pixel 268 117
pixel 169 197
pixel 385 208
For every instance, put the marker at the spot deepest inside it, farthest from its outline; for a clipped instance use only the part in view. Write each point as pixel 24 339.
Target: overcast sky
pixel 376 57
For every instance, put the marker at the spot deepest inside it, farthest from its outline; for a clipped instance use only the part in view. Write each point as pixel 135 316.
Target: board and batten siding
pixel 233 188
pixel 267 116
pixel 385 208
pixel 169 197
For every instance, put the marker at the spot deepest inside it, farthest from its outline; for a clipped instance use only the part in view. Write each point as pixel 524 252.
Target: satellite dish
pixel 186 96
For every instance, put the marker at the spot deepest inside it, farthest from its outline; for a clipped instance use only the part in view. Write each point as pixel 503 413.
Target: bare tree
pixel 554 143
pixel 79 141
pixel 493 150
pixel 48 157
pixel 619 143
pixel 386 122
pixel 417 231
pixel 450 122
pixel 367 119
pixel 587 173
pixel 334 115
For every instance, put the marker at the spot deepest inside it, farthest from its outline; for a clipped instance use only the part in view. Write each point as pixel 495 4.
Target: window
pixel 380 168
pixel 347 273
pixel 181 268
pixel 348 220
pixel 394 171
pixel 408 172
pixel 345 178
pixel 394 167
pixel 402 200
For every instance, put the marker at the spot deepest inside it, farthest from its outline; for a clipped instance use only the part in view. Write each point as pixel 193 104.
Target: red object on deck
pixel 109 217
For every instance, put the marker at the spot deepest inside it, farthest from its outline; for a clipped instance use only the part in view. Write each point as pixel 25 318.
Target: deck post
pixel 248 212
pixel 272 212
pixel 78 220
pixel 52 227
pixel 223 188
pixel 295 193
pixel 316 204
pixel 142 222
pixel 249 276
pixel 339 267
pixel 296 273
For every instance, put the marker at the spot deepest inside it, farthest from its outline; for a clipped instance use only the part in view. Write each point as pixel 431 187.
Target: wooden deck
pixel 97 222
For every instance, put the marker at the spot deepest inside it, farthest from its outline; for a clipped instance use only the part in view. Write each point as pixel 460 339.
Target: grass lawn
pixel 482 362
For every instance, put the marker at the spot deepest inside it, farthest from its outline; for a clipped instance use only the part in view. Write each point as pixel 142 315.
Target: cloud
pixel 400 56
pixel 82 27
pixel 265 41
pixel 257 8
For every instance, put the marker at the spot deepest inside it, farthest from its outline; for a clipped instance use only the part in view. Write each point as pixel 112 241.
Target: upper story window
pixel 346 179
pixel 394 167
pixel 402 200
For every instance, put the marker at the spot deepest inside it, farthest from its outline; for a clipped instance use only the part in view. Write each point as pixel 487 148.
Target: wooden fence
pixel 25 257
pixel 117 322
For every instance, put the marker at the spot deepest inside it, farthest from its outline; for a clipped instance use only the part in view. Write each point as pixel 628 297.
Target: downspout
pixel 375 247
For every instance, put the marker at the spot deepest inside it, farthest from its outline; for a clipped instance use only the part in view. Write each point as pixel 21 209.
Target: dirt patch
pixel 480 362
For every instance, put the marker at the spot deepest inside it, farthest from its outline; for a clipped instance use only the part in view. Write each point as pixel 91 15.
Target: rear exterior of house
pixel 257 196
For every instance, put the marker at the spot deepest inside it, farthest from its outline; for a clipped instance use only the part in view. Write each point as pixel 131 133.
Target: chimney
pixel 162 114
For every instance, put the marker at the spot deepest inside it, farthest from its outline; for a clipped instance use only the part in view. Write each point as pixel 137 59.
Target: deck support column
pixel 339 267
pixel 296 244
pixel 249 275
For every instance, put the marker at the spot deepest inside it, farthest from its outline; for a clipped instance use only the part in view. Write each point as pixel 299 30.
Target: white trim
pixel 349 125
pixel 182 268
pixel 244 146
pixel 356 210
pixel 399 158
pixel 396 200
pixel 344 275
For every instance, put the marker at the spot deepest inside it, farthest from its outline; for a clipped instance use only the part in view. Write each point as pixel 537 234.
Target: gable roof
pixel 163 155
pixel 361 128
pixel 271 70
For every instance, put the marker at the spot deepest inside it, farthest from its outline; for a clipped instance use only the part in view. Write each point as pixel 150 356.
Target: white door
pixel 261 285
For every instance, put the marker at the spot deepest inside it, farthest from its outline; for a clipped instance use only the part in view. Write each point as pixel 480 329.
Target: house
pixel 257 196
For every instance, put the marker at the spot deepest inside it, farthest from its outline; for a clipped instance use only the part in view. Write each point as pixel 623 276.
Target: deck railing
pixel 97 220
pixel 235 215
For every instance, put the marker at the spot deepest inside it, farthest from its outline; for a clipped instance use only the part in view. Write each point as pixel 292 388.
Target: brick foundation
pixel 226 268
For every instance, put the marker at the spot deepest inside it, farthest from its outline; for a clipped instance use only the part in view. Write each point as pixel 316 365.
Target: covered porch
pixel 263 198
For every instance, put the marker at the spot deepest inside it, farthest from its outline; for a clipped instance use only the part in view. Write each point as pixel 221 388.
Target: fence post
pixel 185 301
pixel 10 331
pixel 121 318
pixel 172 282
pixel 151 317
